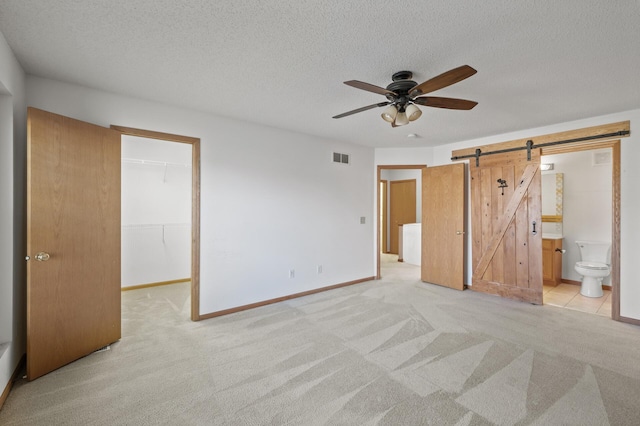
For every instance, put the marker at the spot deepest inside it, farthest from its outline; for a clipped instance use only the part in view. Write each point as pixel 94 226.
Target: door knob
pixel 459 232
pixel 42 256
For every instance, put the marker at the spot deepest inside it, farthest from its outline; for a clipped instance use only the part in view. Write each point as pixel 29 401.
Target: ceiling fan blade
pixel 449 103
pixel 355 111
pixel 369 87
pixel 443 80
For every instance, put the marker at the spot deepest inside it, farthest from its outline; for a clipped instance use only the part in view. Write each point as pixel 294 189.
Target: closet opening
pixel 160 215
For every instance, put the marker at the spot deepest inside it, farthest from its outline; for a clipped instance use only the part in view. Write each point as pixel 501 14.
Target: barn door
pixel 507 225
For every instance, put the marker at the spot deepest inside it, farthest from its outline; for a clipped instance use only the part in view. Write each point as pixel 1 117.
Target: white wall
pixel 404 156
pixel 6 218
pixel 12 235
pixel 630 202
pixel 587 204
pixel 156 210
pixel 412 244
pixel 271 200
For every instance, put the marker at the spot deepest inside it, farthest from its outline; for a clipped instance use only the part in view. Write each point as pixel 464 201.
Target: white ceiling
pixel 282 62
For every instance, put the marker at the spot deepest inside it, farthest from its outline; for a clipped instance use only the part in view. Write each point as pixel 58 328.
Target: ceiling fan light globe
pixel 401 119
pixel 413 112
pixel 389 114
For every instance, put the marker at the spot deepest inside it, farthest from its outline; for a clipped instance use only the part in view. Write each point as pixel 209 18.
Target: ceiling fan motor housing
pixel 402 85
pixel 402 75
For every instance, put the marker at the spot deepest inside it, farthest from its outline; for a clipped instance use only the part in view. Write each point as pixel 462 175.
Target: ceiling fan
pixel 403 94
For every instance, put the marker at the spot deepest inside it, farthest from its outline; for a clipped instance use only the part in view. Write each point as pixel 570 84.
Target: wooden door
pixel 443 193
pixel 402 200
pixel 73 240
pixel 507 226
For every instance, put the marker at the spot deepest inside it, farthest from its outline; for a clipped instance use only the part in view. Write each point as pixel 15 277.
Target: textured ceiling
pixel 282 62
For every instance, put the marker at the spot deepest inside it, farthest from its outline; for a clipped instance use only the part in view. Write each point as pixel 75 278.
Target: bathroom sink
pixel 552 236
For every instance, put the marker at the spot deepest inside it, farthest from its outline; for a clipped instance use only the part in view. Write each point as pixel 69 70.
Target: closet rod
pixel 154 163
pixel 156 225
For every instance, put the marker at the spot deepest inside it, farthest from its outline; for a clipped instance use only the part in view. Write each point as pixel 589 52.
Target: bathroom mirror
pixel 552 189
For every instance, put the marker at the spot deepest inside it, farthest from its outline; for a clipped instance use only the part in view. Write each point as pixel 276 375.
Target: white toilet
pixel 593 266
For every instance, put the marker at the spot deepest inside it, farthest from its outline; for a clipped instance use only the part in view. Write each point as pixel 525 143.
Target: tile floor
pixel 568 296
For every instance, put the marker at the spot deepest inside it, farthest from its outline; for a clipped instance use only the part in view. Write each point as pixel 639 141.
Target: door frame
pixel 615 209
pixel 195 204
pixel 378 201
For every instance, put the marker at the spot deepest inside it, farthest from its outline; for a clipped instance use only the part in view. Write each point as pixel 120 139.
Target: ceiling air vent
pixel 601 158
pixel 340 158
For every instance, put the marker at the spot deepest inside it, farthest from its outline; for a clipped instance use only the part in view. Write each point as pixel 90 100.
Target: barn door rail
pixel 530 145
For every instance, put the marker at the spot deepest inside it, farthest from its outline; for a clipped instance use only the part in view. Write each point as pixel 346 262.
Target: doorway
pixel 383 241
pixel 194 237
pixel 156 215
pixel 591 175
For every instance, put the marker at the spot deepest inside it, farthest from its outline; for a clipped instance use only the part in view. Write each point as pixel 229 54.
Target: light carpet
pixel 390 352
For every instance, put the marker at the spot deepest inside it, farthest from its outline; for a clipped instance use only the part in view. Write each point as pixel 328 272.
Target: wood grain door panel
pixel 443 192
pixel 73 214
pixel 402 206
pixel 506 253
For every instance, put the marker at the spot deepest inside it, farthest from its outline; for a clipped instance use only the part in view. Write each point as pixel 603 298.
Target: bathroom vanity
pixel 551 260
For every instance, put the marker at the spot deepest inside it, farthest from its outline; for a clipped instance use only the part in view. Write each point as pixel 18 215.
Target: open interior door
pixel 73 240
pixel 443 192
pixel 507 226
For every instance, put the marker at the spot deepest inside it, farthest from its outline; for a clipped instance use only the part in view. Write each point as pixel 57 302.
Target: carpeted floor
pixel 390 352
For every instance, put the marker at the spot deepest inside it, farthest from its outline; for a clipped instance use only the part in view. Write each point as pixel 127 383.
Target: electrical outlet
pixel 362 220
pixel 292 273
pixel 319 269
